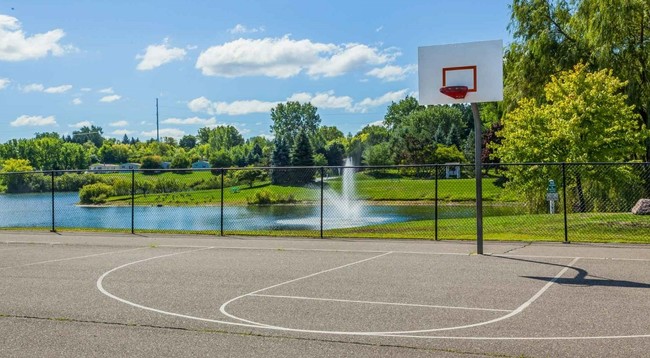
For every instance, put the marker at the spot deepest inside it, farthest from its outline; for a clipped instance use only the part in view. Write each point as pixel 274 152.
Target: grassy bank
pixel 592 227
pixel 366 189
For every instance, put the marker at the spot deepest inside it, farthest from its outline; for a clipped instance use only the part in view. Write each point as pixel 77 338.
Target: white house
pixel 103 168
pixel 129 166
pixel 200 164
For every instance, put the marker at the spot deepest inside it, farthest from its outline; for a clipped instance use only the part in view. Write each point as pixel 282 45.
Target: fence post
pixel 52 183
pixel 436 204
pixel 132 201
pixel 566 227
pixel 322 183
pixel 221 205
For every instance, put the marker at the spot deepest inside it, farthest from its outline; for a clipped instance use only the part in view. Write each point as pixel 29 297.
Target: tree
pixel 378 154
pixel 221 159
pixel 554 35
pixel 181 161
pixel 448 154
pixel 188 142
pixel 249 176
pixel 89 134
pixel 302 155
pixel 125 139
pixel 334 152
pixel 397 112
pixel 292 117
pixel 330 133
pixel 280 158
pixel 412 140
pixel 16 183
pixel 151 162
pixel 584 118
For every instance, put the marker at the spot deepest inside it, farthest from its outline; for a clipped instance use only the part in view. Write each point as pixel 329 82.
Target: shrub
pixel 95 193
pixel 265 197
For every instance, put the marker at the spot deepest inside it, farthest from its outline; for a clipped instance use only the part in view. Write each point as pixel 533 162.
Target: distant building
pixel 166 165
pixel 201 164
pixel 452 170
pixel 103 168
pixel 130 166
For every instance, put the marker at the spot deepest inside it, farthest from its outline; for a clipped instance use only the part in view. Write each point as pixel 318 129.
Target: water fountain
pixel 340 209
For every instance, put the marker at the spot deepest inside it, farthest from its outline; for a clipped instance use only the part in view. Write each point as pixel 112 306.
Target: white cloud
pixel 37 87
pixel 111 98
pixel 379 28
pixel 158 55
pixel 119 124
pixel 323 100
pixel 122 132
pixel 4 82
pixel 390 73
pixel 15 45
pixel 166 132
pixel 204 105
pixel 267 136
pixel 34 87
pixel 191 120
pixel 285 57
pixel 381 100
pixel 33 121
pixel 108 90
pixel 86 89
pixel 77 101
pixel 241 29
pixel 58 89
pixel 376 123
pixel 81 124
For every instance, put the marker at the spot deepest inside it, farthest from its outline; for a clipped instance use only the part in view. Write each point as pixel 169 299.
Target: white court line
pixel 69 258
pixel 511 314
pixel 101 289
pixel 223 310
pixel 382 303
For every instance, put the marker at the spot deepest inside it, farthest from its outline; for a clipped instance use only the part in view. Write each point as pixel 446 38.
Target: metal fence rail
pixel 584 202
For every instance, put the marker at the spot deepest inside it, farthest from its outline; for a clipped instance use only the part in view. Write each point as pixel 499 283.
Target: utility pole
pixel 157 126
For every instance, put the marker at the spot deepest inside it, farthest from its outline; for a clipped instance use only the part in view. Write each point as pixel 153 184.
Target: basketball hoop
pixel 456 92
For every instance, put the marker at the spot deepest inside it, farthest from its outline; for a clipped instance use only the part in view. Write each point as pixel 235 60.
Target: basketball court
pixel 355 297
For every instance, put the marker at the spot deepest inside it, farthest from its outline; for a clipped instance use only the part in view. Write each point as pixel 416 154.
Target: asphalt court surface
pixel 310 297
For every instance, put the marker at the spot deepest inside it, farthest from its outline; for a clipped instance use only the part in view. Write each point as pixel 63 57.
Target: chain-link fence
pixel 531 201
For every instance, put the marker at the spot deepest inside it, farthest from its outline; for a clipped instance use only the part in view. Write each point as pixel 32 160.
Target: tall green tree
pixel 89 134
pixel 554 35
pixel 291 117
pixel 584 118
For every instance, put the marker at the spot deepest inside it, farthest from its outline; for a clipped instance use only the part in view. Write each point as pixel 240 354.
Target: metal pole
pixel 566 227
pixel 221 207
pixel 436 203
pixel 157 125
pixel 479 183
pixel 132 201
pixel 322 179
pixel 53 228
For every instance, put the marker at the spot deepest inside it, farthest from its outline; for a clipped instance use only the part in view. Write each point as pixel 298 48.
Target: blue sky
pixel 64 64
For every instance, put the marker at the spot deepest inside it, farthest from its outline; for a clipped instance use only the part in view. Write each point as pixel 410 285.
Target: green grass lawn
pixel 366 189
pixel 591 227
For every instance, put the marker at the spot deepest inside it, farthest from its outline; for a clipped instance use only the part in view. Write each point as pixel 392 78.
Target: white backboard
pixel 477 65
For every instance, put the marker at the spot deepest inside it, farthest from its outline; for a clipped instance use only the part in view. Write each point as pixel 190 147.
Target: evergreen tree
pixel 125 139
pixel 280 158
pixel 468 147
pixel 453 137
pixel 302 155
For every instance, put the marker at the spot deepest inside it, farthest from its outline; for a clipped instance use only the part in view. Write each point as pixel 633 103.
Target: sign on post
pixel 551 195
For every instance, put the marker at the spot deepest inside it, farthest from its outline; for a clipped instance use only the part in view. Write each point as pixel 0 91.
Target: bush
pixel 265 197
pixel 95 193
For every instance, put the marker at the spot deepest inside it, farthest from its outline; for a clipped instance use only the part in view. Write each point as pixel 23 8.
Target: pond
pixel 35 210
